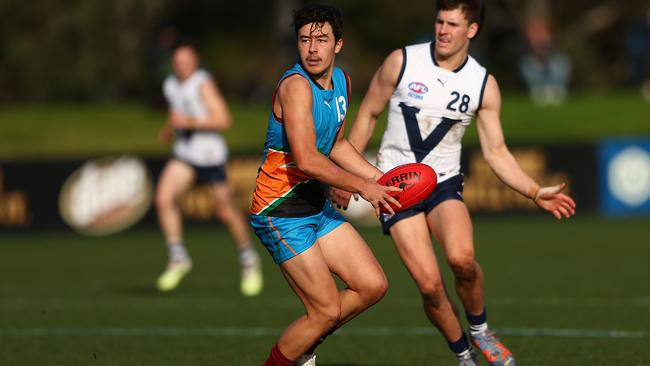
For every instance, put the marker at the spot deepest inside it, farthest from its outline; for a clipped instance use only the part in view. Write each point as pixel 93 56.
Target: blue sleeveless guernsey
pixel 283 190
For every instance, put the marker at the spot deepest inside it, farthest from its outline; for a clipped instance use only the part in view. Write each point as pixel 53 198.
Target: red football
pixel 417 181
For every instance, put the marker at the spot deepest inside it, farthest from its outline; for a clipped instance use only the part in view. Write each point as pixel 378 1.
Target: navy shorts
pixel 207 174
pixel 210 174
pixel 451 189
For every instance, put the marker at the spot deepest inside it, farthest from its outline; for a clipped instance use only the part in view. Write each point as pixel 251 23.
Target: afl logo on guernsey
pixel 417 89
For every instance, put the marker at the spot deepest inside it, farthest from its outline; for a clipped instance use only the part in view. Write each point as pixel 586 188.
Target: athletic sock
pixel 276 358
pixel 177 252
pixel 477 323
pixel 248 256
pixel 460 347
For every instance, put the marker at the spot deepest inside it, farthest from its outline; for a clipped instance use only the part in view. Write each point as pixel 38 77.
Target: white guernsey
pixel 429 111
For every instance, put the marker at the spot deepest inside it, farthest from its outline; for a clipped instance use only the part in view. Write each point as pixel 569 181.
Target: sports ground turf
pixel 559 293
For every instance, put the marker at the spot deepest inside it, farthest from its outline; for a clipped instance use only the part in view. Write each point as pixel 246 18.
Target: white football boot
pixel 469 359
pixel 308 359
pixel 173 274
pixel 252 281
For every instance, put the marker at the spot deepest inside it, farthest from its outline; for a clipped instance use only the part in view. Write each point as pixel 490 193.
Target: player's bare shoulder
pixel 293 84
pixel 293 93
pixel 394 60
pixel 491 98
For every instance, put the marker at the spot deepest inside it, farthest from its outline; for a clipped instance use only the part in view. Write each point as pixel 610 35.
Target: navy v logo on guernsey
pixel 422 148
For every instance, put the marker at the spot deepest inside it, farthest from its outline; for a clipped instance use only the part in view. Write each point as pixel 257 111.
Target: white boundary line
pixel 264 332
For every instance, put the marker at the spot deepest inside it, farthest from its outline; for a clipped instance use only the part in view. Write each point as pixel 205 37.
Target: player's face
pixel 317 47
pixel 185 61
pixel 453 32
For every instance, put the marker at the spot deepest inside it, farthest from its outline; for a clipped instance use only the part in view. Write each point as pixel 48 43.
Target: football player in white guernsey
pixel 434 90
pixel 197 111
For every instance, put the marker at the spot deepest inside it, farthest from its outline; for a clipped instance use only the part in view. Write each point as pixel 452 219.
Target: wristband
pixel 533 193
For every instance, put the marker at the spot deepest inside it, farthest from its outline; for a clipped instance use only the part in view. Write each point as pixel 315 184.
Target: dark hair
pixel 316 13
pixel 185 43
pixel 474 10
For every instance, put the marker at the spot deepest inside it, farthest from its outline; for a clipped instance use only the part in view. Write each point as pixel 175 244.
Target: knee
pixel 464 268
pixel 223 214
pixel 226 210
pixel 326 317
pixel 164 201
pixel 375 290
pixel 434 293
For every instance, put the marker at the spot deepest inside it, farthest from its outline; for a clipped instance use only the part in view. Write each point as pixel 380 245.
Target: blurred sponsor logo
pixel 198 202
pixel 359 210
pixel 629 176
pixel 106 196
pixel 625 176
pixel 484 192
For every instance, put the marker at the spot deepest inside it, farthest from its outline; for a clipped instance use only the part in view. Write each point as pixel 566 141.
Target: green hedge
pixel 74 131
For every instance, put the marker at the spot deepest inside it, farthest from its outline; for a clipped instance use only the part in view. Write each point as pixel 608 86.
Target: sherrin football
pixel 417 181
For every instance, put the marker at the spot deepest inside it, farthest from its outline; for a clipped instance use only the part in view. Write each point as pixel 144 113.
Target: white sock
pixel 248 257
pixel 478 329
pixel 177 252
pixel 463 354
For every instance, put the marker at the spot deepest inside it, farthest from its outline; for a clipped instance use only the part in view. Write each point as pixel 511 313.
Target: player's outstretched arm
pixel 505 166
pixel 381 87
pixel 348 158
pixel 294 104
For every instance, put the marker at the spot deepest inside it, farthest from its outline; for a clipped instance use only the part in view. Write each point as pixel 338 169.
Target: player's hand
pixel 378 196
pixel 340 198
pixel 166 134
pixel 552 200
pixel 179 120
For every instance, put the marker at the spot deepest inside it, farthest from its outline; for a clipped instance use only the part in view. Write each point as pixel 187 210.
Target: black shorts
pixel 210 174
pixel 451 189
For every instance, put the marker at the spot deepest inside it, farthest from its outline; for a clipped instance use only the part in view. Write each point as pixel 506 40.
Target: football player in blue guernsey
pixel 305 149
pixel 197 113
pixel 434 90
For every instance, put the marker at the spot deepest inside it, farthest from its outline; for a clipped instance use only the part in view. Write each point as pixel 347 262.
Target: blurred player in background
pixel 305 149
pixel 197 112
pixel 434 90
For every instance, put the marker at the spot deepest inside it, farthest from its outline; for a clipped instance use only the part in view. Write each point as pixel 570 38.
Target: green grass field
pixel 73 131
pixel 560 293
